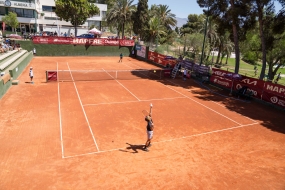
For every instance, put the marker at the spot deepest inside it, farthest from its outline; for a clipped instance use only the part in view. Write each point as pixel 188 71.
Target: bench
pixel 10 61
pixel 4 55
pixel 6 78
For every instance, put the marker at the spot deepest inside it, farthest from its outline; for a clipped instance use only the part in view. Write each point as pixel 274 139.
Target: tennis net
pixel 97 75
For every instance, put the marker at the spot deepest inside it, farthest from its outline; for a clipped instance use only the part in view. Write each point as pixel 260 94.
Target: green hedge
pixel 71 50
pixel 4 87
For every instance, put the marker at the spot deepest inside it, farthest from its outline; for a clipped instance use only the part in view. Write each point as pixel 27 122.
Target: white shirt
pixel 31 73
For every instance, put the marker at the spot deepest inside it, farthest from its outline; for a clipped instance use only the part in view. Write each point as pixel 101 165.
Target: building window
pixel 28 13
pixel 19 12
pixel 51 18
pixel 48 8
pixel 2 11
pixel 93 23
pixel 104 14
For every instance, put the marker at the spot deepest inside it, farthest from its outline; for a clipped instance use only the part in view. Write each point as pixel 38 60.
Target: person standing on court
pixel 121 58
pixel 185 74
pixel 31 74
pixel 149 131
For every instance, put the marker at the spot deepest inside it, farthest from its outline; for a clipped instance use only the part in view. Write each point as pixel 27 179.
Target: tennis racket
pixel 145 113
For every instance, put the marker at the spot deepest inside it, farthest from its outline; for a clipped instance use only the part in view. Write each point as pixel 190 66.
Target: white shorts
pixel 149 134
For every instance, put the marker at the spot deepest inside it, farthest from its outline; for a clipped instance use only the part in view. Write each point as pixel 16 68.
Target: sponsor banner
pixel 142 52
pixel 275 89
pixel 227 83
pixel 51 76
pixel 81 41
pixel 219 72
pixel 188 65
pixel 254 85
pixel 138 47
pixel 274 99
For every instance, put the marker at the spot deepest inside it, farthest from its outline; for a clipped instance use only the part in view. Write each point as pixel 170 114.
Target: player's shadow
pixel 133 148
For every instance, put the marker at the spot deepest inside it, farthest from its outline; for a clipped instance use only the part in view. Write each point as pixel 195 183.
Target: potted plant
pixel 42 14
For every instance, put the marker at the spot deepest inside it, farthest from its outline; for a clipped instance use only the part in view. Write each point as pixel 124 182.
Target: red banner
pixel 275 89
pixel 219 72
pixel 4 27
pixel 51 76
pixel 82 41
pixel 273 99
pixel 254 85
pixel 227 83
pixel 160 59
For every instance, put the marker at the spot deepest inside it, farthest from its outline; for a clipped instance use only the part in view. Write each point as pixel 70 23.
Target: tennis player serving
pixel 149 130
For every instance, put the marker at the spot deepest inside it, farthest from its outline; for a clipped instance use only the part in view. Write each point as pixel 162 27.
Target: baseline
pixel 169 140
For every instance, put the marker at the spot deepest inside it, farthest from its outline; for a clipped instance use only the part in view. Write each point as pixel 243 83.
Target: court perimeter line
pixel 83 109
pixel 122 85
pixel 60 119
pixel 174 139
pixel 201 103
pixel 161 99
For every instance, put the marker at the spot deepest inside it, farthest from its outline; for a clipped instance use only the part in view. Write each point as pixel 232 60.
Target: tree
pixel 141 19
pixel 262 8
pixel 11 20
pixel 274 42
pixel 121 13
pixel 155 29
pixel 234 15
pixel 75 11
pixel 166 17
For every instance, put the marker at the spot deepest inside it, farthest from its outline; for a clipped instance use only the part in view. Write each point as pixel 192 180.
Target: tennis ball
pixel 154 71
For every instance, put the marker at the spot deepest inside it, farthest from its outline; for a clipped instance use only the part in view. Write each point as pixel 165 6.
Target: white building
pixel 39 15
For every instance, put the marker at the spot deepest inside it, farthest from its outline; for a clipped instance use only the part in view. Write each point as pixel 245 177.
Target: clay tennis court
pixel 89 134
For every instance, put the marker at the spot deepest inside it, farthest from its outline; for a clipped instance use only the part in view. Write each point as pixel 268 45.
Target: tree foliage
pixel 141 19
pixel 233 15
pixel 75 11
pixel 11 20
pixel 121 14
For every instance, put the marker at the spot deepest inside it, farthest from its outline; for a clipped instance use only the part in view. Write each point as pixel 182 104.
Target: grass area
pixel 248 69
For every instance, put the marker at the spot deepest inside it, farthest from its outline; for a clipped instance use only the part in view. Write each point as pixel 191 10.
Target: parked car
pixel 85 36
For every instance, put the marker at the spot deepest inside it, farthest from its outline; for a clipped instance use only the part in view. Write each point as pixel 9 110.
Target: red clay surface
pixel 89 134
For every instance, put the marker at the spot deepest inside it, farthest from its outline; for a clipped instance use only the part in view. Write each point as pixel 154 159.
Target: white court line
pixel 125 102
pixel 220 105
pixel 197 101
pixel 60 119
pixel 174 139
pixel 83 110
pixel 201 104
pixel 122 85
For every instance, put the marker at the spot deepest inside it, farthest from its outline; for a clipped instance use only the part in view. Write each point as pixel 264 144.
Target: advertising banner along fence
pixel 82 41
pixel 267 91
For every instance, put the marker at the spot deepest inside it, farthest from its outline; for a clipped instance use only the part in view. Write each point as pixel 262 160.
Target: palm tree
pixel 121 14
pixel 166 17
pixel 155 28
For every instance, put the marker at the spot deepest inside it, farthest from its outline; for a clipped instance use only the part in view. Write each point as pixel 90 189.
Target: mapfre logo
pixel 274 99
